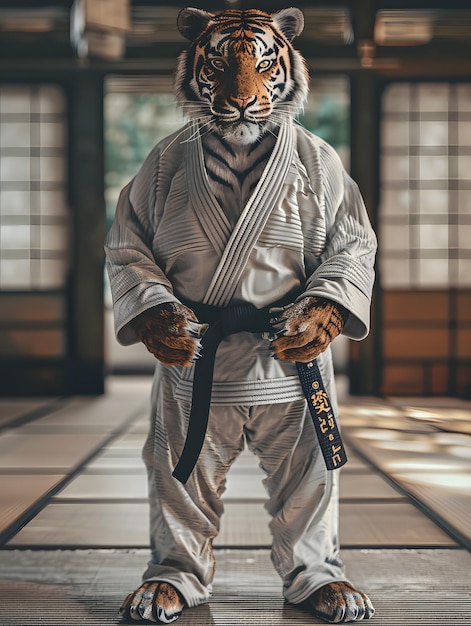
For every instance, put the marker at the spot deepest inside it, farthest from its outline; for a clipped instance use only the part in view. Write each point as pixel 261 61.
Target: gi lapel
pixel 211 216
pixel 252 221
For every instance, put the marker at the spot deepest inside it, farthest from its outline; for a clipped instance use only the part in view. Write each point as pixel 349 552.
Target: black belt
pixel 224 321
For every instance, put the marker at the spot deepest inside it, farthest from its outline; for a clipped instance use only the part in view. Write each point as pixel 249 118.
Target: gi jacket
pixel 304 231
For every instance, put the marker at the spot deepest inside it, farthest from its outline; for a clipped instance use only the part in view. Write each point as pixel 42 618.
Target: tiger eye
pixel 263 65
pixel 217 64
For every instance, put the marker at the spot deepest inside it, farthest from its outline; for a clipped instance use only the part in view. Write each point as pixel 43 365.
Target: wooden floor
pixel 73 513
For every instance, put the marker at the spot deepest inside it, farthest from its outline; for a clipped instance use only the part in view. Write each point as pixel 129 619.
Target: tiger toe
pixel 340 603
pixel 156 602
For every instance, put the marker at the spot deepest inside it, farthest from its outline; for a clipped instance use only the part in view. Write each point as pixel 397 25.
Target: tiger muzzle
pixel 242 104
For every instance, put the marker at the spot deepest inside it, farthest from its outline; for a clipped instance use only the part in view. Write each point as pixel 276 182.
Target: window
pixel 327 113
pixel 425 239
pixel 134 123
pixel 425 212
pixel 33 178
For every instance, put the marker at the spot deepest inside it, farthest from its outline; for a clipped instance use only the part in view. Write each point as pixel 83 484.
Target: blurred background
pixel 86 91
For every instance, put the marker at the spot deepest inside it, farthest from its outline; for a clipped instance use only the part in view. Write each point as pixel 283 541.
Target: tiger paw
pixel 157 602
pixel 304 329
pixel 170 332
pixel 340 602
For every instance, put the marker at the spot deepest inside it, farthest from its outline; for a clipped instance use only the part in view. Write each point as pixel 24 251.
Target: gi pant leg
pixel 184 519
pixel 303 498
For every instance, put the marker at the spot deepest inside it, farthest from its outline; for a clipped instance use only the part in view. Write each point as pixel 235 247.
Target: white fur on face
pixel 199 106
pixel 242 133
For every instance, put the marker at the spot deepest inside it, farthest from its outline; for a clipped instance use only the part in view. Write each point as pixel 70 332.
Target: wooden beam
pixel 85 315
pixel 365 122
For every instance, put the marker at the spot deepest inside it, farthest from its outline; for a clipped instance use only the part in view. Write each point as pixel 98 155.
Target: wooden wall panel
pixel 403 379
pixel 463 379
pixel 45 343
pixel 463 306
pixel 31 307
pixel 416 343
pixel 426 343
pixel 464 343
pixel 439 375
pixel 406 306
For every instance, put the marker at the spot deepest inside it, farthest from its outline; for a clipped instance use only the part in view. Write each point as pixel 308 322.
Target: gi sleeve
pixel 345 273
pixel 137 282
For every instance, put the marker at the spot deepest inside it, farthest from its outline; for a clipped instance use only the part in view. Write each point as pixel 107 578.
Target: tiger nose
pixel 242 103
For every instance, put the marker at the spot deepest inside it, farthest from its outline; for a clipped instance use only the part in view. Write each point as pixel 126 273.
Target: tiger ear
pixel 191 22
pixel 290 22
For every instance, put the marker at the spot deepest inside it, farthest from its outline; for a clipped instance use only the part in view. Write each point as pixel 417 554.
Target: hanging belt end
pixel 181 474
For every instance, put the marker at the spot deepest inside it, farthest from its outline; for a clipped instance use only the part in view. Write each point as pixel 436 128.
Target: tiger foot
pixel 157 602
pixel 340 602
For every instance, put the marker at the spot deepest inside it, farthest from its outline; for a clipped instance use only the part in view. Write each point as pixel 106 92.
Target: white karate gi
pixel 304 231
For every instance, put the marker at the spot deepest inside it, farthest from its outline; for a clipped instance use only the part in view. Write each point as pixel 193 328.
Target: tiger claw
pixel 156 602
pixel 195 329
pixel 198 354
pixel 277 310
pixel 280 333
pixel 126 603
pixel 145 606
pixel 340 602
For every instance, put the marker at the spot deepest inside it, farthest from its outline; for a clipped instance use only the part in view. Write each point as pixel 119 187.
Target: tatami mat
pixel 388 524
pixel 102 414
pixel 124 524
pixel 131 442
pixel 92 446
pixel 84 524
pixel 366 487
pixel 445 503
pixel 435 470
pixel 15 409
pixel 375 413
pixel 245 479
pixel 105 487
pixel 448 414
pixel 122 458
pixel 112 466
pixel 116 460
pixel 413 587
pixel 362 525
pixel 244 486
pixel 51 452
pixel 19 492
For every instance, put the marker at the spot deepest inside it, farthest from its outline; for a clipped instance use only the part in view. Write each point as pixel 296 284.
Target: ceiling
pixel 33 28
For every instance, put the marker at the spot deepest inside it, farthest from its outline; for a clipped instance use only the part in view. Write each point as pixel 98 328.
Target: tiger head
pixel 241 72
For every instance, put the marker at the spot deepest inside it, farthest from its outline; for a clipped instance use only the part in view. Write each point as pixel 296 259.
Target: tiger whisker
pixel 269 130
pixel 197 133
pixel 287 105
pixel 195 106
pixel 176 138
pixel 194 102
pixel 202 119
pixel 280 119
pixel 290 110
pixel 196 113
pixel 190 109
pixel 206 132
pixel 194 110
pixel 199 118
pixel 298 123
pixel 192 137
